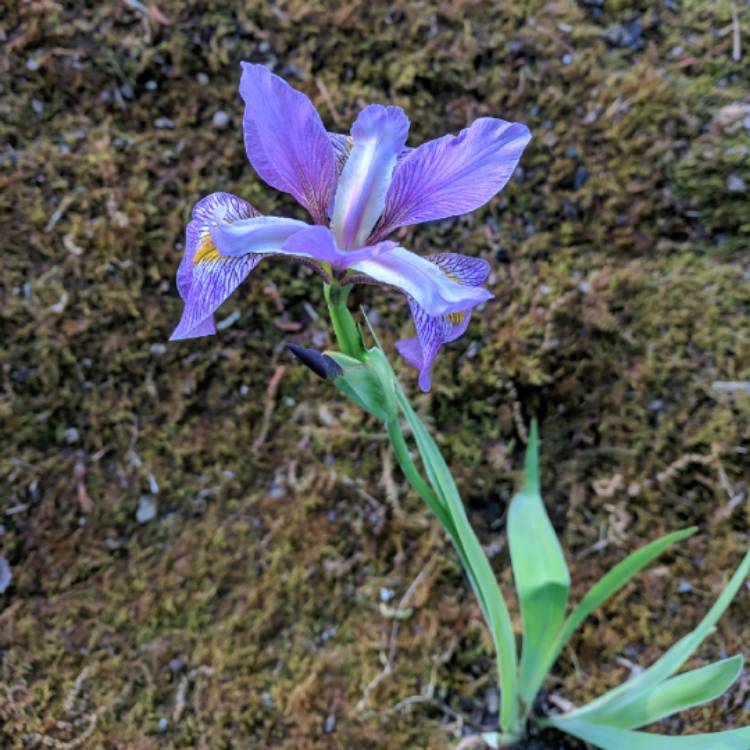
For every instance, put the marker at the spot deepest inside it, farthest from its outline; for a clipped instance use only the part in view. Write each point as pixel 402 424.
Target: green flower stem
pixel 439 492
pixel 346 330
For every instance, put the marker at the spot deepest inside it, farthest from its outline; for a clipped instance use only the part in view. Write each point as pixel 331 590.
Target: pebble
pixel 146 509
pixel 163 724
pixel 330 723
pixel 163 122
pixel 386 594
pixel 220 119
pixel 5 575
pixel 735 184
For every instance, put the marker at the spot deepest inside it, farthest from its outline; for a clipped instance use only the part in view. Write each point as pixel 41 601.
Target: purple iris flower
pixel 357 189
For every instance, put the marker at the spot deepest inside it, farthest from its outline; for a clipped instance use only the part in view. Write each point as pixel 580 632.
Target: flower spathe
pixel 357 191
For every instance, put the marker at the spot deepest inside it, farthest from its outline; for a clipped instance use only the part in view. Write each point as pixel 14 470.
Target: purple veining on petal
pixel 432 288
pixel 286 142
pixel 378 135
pixel 204 278
pixel 433 331
pixel 453 175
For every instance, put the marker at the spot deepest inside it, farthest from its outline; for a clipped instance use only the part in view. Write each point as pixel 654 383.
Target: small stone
pixel 176 665
pixel 158 348
pixel 684 587
pixel 584 287
pixel 32 64
pixel 163 724
pixel 151 85
pixel 220 119
pixel 163 122
pixel 580 178
pixel 146 509
pixel 71 435
pixel 202 78
pixel 656 405
pixel 330 723
pixel 386 594
pixel 735 184
pixel 37 106
pixel 567 58
pixel 5 575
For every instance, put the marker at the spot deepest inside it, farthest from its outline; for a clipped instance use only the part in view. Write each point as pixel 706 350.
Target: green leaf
pixel 671 661
pixel 672 696
pixel 616 578
pixel 480 572
pixel 541 575
pixel 610 738
pixel 367 382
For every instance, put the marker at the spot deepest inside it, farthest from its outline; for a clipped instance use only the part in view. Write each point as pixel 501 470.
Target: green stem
pixel 346 330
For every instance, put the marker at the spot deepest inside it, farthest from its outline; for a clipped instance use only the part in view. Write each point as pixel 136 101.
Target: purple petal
pixel 378 135
pixel 259 234
pixel 285 140
pixel 453 175
pixel 433 331
pixel 318 243
pixel 432 288
pixel 205 278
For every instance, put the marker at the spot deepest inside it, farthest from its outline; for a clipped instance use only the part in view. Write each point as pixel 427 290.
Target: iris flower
pixel 358 190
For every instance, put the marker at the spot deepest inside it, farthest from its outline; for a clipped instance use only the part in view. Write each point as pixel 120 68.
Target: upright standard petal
pixel 435 330
pixel 204 278
pixel 285 140
pixel 378 136
pixel 434 289
pixel 453 175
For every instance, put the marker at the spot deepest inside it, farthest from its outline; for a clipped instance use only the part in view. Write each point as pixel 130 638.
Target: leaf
pixel 363 382
pixel 541 575
pixel 478 567
pixel 672 696
pixel 616 578
pixel 671 661
pixel 610 738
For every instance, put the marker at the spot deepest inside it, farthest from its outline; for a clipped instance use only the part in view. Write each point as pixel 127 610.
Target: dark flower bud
pixel 320 364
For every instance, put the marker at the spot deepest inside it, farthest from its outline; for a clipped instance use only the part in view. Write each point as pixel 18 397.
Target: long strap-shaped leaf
pixel 670 662
pixel 676 694
pixel 497 613
pixel 540 572
pixel 609 738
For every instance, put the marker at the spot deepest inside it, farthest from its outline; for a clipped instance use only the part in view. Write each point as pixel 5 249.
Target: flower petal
pixel 431 287
pixel 453 175
pixel 258 234
pixel 285 140
pixel 319 244
pixel 378 135
pixel 204 278
pixel 435 330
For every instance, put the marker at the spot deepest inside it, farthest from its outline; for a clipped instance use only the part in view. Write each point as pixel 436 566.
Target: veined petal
pixel 285 140
pixel 453 175
pixel 204 278
pixel 435 330
pixel 431 287
pixel 378 135
pixel 318 243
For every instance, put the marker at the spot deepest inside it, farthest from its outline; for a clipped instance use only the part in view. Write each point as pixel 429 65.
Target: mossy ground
pixel 246 613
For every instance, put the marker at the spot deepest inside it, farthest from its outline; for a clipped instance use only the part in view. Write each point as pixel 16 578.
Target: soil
pixel 200 534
